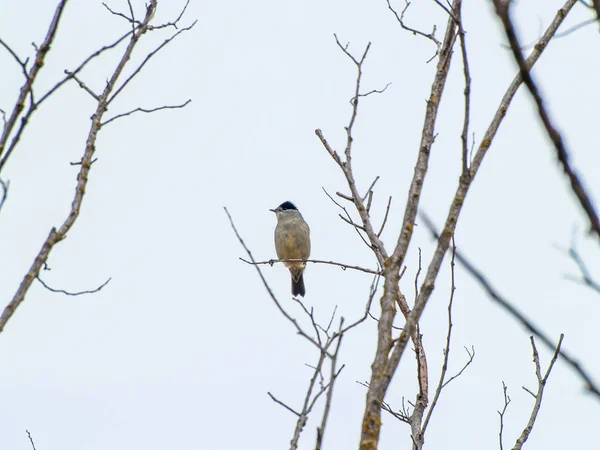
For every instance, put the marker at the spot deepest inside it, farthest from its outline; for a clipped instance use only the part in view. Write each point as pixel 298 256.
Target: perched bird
pixel 292 241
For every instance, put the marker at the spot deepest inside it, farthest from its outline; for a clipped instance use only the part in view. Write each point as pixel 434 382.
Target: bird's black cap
pixel 287 205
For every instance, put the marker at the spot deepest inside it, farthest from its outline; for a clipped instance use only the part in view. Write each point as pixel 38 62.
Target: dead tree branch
pixel 519 316
pixel 562 154
pixel 540 391
pixel 414 31
pixel 144 110
pixel 27 88
pixel 58 234
pixel 501 414
pixel 73 294
pixel 464 184
pixel 316 261
pixel 442 383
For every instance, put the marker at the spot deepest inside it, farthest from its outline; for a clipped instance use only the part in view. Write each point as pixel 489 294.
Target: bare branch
pixel 31 75
pixel 385 217
pixel 471 357
pixel 562 154
pixel 444 369
pixel 430 36
pixel 73 294
pixel 57 235
pixel 317 261
pixel 30 439
pixel 279 402
pixel 520 317
pixel 118 14
pixel 333 374
pixel 451 219
pixel 82 85
pixel 118 116
pixel 147 58
pixel 22 64
pixel 384 364
pixel 375 91
pixel 501 413
pixel 540 391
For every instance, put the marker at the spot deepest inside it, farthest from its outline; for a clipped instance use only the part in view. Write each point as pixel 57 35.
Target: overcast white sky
pixel 180 349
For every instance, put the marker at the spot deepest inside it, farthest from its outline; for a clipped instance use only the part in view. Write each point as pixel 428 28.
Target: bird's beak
pixel 273 210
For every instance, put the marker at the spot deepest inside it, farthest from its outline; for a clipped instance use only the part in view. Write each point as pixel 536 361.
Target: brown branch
pixel 57 235
pixel 316 261
pixel 118 116
pixel 333 374
pixel 540 391
pixel 371 188
pixel 430 36
pixel 73 294
pixel 501 413
pixel 118 14
pixel 22 64
pixel 26 89
pixel 456 206
pixel 346 165
pixel 562 154
pixel 34 106
pixel 520 317
pixel 384 365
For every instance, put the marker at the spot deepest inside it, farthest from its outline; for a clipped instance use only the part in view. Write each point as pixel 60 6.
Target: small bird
pixel 292 241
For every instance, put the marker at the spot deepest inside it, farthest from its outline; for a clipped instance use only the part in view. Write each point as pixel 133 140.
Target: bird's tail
pixel 298 283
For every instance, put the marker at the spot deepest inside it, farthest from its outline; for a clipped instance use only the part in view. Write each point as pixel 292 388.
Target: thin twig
pixel 82 85
pixel 30 439
pixel 501 413
pixel 279 402
pixel 118 116
pixel 73 294
pixel 385 217
pixel 540 391
pixel 430 36
pixel 316 261
pixel 444 369
pixel 147 58
pixel 347 213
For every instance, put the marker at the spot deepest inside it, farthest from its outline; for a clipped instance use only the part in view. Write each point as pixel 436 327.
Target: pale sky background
pixel 180 349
